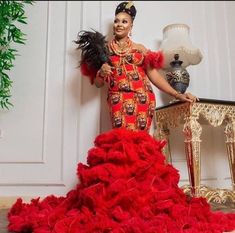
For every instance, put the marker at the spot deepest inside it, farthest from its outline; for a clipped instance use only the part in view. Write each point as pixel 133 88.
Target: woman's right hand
pixel 186 97
pixel 105 70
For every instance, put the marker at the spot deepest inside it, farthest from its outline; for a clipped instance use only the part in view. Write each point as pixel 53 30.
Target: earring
pixel 130 33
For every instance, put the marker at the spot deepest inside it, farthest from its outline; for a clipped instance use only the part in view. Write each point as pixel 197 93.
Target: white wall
pixel 57 113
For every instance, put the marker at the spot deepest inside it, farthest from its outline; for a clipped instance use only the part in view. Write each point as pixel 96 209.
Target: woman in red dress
pixel 126 186
pixel 131 69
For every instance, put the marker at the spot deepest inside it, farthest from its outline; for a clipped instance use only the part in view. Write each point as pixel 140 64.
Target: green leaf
pixel 11 14
pixel 21 21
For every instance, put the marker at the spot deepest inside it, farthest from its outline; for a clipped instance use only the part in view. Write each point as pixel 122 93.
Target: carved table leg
pixel 162 133
pixel 230 144
pixel 192 131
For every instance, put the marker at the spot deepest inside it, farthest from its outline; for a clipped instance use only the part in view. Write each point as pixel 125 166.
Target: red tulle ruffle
pixel 154 59
pixel 125 187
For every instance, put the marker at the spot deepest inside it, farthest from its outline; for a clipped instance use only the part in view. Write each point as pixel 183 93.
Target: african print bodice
pixel 128 72
pixel 130 96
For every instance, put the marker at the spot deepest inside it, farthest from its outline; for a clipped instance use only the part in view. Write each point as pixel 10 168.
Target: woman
pixel 130 69
pixel 126 186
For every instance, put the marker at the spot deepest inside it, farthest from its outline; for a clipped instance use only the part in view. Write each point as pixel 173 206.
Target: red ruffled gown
pixel 126 187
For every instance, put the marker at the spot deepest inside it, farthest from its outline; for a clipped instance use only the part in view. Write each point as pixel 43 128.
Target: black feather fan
pixel 94 48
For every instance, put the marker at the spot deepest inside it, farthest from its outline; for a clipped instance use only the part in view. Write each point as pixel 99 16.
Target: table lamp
pixel 179 53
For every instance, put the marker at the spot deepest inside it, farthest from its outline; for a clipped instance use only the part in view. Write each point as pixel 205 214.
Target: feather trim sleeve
pixel 154 59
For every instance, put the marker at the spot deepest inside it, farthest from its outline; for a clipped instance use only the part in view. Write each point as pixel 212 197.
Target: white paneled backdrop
pixel 57 113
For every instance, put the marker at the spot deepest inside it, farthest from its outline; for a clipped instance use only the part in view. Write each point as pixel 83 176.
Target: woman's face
pixel 122 25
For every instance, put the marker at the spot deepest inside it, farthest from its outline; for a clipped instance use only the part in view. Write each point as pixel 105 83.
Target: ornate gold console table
pixel 215 112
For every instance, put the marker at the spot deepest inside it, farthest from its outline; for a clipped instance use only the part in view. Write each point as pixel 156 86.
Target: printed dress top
pixel 130 95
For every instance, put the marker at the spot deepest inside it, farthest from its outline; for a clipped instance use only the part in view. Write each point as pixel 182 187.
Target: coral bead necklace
pixel 121 49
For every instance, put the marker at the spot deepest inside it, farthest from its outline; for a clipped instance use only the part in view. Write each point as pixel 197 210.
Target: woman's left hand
pixel 187 97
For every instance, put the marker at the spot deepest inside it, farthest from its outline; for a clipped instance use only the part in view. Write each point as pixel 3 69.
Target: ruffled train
pixel 126 187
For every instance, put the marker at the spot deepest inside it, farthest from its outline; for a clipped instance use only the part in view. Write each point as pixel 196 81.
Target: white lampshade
pixel 176 40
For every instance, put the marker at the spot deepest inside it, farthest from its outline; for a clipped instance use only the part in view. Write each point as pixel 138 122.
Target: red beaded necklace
pixel 121 50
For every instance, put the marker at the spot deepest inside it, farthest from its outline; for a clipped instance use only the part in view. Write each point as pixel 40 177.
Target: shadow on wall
pixel 74 85
pixel 105 115
pixel 83 92
pixel 164 98
pixel 80 86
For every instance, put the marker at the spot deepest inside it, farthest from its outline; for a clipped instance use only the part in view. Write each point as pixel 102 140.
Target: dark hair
pixel 127 7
